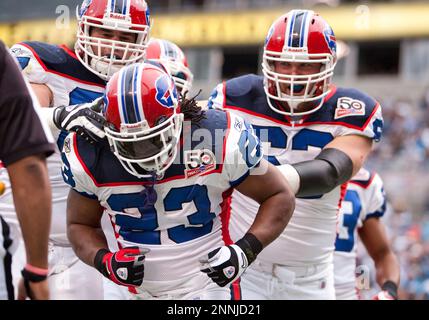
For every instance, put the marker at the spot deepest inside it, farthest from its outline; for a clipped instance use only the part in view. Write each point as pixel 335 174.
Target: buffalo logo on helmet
pixel 147 15
pixel 84 7
pixel 330 39
pixel 166 93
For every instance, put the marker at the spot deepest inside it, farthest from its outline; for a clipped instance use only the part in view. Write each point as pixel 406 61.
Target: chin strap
pixel 105 68
pixel 149 192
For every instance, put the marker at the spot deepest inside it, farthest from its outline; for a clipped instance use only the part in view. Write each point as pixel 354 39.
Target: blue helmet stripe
pixel 296 32
pixel 124 7
pixel 119 6
pixel 129 95
pixel 296 29
pixel 302 35
pixel 124 110
pixel 135 94
pixel 291 30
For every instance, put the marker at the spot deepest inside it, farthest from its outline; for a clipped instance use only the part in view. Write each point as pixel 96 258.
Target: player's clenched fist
pixel 226 264
pixel 124 267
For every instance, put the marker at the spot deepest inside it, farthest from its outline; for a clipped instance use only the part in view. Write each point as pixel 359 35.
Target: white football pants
pixel 198 287
pixel 267 281
pixel 69 278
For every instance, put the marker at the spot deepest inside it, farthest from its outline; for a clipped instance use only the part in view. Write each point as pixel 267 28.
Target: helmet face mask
pixel 181 75
pixel 306 48
pixel 153 150
pixel 104 56
pixel 145 125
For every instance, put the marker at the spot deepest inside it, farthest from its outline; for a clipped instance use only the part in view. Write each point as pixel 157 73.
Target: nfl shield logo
pixel 229 272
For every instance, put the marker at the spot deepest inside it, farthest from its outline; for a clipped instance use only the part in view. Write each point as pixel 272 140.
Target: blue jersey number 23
pixel 144 229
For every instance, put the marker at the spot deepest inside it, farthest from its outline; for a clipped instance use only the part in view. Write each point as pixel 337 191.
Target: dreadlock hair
pixel 190 109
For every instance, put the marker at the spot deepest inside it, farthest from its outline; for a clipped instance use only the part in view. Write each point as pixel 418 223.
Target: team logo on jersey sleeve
pixel 348 107
pixel 23 56
pixel 238 125
pixel 198 162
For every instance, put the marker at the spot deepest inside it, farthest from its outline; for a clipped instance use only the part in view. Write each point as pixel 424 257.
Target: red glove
pixel 124 267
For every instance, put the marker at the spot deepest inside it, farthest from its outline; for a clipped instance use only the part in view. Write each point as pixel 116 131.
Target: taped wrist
pixel 329 169
pixel 98 261
pixel 291 175
pixel 391 288
pixel 251 246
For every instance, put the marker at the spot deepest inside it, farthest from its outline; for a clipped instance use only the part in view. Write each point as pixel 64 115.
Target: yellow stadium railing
pixel 361 22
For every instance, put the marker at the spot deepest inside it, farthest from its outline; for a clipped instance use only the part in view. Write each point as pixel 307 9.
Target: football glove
pixel 226 264
pixel 84 119
pixel 124 267
pixel 389 292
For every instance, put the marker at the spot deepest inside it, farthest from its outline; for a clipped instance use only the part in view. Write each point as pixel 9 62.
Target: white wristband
pixel 291 175
pixel 48 115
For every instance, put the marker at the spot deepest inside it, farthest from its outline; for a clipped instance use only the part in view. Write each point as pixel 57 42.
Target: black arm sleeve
pixel 329 169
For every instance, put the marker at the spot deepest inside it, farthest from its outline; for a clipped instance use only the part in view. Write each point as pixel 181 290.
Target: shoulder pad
pixel 244 85
pixel 213 128
pixel 56 59
pixel 247 94
pixel 347 107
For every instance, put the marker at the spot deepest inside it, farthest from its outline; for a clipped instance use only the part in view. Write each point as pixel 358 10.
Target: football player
pixel 318 135
pixel 165 183
pixel 174 60
pixel 363 206
pixel 110 35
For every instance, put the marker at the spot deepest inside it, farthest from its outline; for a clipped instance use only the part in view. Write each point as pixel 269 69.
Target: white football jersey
pixel 310 235
pixel 71 83
pixel 365 199
pixel 187 217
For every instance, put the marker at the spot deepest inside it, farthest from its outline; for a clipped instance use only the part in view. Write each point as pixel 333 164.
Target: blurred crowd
pixel 409 235
pixel 402 159
pixel 406 133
